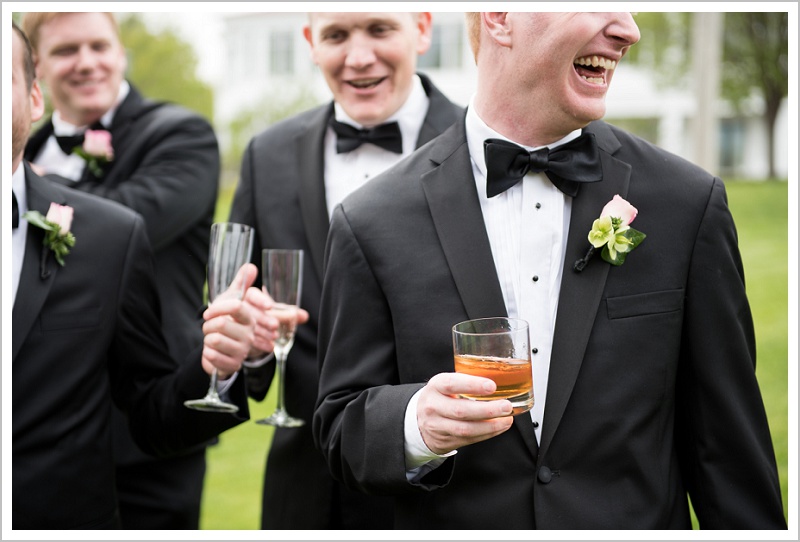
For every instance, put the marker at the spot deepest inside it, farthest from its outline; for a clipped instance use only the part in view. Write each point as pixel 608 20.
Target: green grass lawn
pixel 232 499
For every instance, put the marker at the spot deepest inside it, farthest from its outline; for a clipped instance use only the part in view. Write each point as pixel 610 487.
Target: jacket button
pixel 545 475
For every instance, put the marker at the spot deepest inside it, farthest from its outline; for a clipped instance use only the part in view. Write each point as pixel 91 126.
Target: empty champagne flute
pixel 230 248
pixel 282 278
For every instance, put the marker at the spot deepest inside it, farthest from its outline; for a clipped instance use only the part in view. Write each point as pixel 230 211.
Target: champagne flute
pixel 230 248
pixel 283 277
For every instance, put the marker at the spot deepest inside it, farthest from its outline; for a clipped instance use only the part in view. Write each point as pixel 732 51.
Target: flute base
pixel 281 418
pixel 211 405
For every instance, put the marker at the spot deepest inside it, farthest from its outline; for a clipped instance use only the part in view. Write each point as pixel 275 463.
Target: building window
pixel 731 145
pixel 447 41
pixel 281 51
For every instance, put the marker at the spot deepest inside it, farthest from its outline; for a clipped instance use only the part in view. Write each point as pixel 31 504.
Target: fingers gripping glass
pixel 230 248
pixel 283 279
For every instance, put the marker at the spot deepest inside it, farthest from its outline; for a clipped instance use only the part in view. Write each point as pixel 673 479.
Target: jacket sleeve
pixel 146 382
pixel 724 443
pixel 174 174
pixel 358 422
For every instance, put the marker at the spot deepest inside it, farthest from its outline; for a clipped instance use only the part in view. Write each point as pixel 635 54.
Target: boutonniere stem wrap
pixel 96 150
pixel 612 233
pixel 56 225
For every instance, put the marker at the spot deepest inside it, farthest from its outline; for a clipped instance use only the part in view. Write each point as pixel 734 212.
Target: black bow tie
pixel 14 211
pixel 349 138
pixel 567 165
pixel 68 143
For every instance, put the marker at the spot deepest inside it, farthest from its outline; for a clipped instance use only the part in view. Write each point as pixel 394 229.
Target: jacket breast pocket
pixel 645 304
pixel 70 320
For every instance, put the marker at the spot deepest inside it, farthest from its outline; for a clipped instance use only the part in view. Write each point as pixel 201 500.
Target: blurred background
pixel 711 87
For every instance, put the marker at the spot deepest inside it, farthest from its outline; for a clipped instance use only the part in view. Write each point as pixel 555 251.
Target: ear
pixel 425 29
pixel 307 34
pixel 497 25
pixel 37 102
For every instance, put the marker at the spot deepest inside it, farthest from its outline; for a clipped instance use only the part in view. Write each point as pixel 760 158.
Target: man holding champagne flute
pixel 642 340
pixel 293 174
pixel 87 335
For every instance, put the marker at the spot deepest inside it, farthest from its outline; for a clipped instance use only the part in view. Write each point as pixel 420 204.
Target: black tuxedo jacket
pixel 651 392
pixel 84 335
pixel 166 168
pixel 282 193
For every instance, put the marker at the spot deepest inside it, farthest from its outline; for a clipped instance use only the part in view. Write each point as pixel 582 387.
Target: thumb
pixel 244 279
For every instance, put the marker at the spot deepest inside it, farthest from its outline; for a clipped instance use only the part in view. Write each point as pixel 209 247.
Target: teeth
pixel 363 83
pixel 597 61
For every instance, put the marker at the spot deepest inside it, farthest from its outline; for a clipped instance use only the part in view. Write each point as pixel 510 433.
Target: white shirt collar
pixel 64 128
pixel 18 185
pixel 478 131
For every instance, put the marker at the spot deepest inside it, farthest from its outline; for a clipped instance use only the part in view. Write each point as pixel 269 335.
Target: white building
pixel 268 61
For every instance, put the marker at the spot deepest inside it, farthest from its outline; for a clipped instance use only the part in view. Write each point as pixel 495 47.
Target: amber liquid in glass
pixel 513 377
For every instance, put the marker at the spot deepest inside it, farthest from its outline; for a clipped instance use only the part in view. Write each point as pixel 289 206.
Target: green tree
pixel 164 67
pixel 756 61
pixel 755 52
pixel 251 120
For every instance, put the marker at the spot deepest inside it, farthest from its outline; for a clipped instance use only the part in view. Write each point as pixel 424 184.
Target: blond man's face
pixel 82 63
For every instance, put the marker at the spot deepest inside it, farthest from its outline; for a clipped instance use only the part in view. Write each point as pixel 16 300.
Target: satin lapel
pixel 37 140
pixel 440 113
pixel 39 267
pixel 122 128
pixel 580 292
pixel 313 204
pixel 457 216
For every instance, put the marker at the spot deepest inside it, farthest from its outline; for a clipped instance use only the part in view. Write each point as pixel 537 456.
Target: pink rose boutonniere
pixel 96 150
pixel 56 225
pixel 613 233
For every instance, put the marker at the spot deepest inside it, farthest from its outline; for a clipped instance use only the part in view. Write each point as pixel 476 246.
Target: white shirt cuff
pixel 417 452
pixel 224 385
pixel 256 363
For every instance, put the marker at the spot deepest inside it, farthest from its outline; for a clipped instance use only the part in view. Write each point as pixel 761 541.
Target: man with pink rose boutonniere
pixel 87 335
pixel 160 160
pixel 622 258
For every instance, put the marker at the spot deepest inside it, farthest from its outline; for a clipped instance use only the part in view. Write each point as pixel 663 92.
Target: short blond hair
pixel 474 32
pixel 32 22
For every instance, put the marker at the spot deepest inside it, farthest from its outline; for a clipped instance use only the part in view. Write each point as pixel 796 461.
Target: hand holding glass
pixel 230 248
pixel 499 349
pixel 283 279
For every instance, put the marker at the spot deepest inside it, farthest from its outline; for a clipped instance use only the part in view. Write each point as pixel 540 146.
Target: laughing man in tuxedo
pixel 644 381
pixel 165 166
pixel 293 175
pixel 86 332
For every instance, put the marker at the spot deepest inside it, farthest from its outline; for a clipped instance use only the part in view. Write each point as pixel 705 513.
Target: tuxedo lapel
pixel 39 267
pixel 37 140
pixel 457 217
pixel 123 131
pixel 439 116
pixel 580 292
pixel 313 204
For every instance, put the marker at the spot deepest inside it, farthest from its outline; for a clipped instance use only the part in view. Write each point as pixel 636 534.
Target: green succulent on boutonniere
pixel 56 225
pixel 613 233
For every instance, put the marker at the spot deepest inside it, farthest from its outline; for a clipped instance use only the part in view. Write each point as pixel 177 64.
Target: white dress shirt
pixel 347 171
pixel 70 166
pixel 19 235
pixel 527 226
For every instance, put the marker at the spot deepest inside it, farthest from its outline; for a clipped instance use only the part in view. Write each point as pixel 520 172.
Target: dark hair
pixel 30 70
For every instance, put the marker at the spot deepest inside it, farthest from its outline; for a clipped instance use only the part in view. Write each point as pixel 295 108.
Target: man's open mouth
pixel 366 83
pixel 594 68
